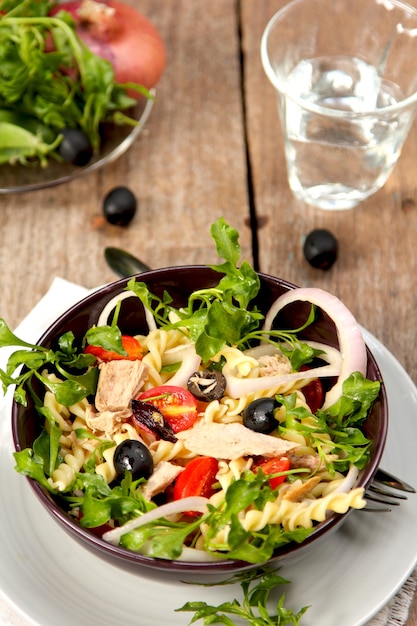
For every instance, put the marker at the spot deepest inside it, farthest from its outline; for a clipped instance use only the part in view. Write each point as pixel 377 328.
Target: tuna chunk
pixel 309 461
pixel 163 475
pixel 107 422
pixel 232 441
pixel 118 383
pixel 272 365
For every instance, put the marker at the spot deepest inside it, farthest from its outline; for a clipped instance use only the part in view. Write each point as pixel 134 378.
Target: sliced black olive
pixel 135 457
pixel 207 385
pixel 75 147
pixel 119 206
pixel 321 248
pixel 148 415
pixel 259 415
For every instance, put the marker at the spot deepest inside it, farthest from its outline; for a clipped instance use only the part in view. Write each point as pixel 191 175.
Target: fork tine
pixel 380 496
pixel 375 508
pixel 381 499
pixel 389 480
pixel 374 487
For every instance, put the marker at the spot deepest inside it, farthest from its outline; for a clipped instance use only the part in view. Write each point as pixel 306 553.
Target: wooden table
pixel 213 147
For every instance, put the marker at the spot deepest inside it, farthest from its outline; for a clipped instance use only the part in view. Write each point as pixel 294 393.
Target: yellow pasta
pixel 159 350
pixel 162 450
pixel 292 515
pixel 301 503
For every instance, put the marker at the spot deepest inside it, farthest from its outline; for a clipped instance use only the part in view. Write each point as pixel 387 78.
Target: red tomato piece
pixel 177 405
pixel 130 344
pixel 274 466
pixel 197 480
pixel 313 392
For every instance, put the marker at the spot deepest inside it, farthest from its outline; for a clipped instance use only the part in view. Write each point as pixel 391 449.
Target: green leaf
pixel 358 394
pixel 85 384
pixel 106 337
pixel 95 512
pixel 67 392
pixel 32 359
pixel 30 465
pixel 7 338
pixel 215 316
pixel 255 595
pixel 49 80
pixel 46 446
pixel 226 239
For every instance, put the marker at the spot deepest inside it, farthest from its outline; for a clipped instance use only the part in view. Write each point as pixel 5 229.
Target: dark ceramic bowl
pixel 180 282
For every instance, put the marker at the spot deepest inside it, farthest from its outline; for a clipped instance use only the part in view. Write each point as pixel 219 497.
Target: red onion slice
pixel 190 363
pixel 193 503
pixel 351 343
pixel 237 387
pixel 111 305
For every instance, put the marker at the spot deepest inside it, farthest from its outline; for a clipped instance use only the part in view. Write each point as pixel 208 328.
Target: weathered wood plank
pixel 376 273
pixel 187 169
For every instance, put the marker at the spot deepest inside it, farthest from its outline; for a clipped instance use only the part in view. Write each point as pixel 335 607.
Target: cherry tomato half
pixel 274 466
pixel 130 344
pixel 177 405
pixel 313 392
pixel 197 480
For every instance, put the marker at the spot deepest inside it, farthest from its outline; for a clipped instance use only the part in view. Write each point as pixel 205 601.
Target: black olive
pixel 259 415
pixel 321 248
pixel 207 385
pixel 135 457
pixel 75 147
pixel 119 206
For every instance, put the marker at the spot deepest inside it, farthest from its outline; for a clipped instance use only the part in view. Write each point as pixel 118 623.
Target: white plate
pixel 345 580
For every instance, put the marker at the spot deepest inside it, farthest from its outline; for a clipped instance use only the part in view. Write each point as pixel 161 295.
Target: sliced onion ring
pixel 111 305
pixel 193 503
pixel 190 363
pixel 238 387
pixel 351 343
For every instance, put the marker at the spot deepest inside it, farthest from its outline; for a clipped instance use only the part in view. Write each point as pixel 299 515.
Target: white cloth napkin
pixel 63 294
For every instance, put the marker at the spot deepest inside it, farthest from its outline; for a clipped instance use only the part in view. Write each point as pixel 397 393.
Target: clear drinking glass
pixel 345 74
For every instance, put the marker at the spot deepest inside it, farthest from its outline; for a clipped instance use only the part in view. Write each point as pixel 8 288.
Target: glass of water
pixel 345 75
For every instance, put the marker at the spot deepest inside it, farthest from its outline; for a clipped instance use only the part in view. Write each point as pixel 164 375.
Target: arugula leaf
pixel 219 315
pixel 255 595
pixel 358 394
pixel 101 503
pixel 223 315
pixel 31 465
pixel 165 539
pixel 73 387
pixel 50 80
pixel 107 337
pixel 341 422
pixel 47 444
pixel 8 338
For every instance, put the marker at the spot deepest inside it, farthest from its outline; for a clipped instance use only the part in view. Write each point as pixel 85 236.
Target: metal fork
pixel 385 491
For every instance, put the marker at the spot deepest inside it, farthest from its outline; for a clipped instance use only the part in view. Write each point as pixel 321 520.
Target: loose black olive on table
pixel 207 385
pixel 321 248
pixel 259 415
pixel 75 147
pixel 119 206
pixel 135 457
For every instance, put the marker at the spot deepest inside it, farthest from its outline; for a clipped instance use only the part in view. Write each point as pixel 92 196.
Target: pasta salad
pixel 212 434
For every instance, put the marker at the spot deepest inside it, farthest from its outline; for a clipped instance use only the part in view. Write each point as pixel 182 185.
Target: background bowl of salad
pixel 180 282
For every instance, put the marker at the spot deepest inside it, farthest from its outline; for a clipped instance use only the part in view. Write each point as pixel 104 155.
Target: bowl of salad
pixel 199 418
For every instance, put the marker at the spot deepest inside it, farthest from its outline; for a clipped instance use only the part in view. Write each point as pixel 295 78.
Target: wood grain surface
pixel 213 147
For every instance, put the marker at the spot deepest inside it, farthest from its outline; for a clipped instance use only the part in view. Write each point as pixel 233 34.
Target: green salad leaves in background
pixel 50 81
